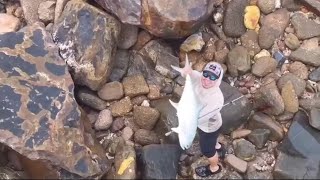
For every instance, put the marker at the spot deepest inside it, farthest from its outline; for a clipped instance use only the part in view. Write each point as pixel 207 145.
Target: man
pixel 208 91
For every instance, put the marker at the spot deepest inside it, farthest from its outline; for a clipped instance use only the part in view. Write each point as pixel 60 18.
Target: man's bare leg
pixel 218 145
pixel 214 162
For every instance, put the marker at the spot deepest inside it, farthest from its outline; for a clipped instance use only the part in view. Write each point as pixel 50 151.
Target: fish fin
pixel 176 130
pixel 175 105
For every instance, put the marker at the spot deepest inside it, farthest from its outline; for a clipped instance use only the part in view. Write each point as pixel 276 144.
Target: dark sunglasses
pixel 209 74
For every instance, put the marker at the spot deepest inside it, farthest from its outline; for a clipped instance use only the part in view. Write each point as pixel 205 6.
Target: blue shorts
pixel 208 142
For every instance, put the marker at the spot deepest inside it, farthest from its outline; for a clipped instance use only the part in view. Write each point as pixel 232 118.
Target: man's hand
pixel 187 68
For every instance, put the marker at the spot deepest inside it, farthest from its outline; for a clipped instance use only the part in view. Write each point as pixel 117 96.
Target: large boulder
pixel 87 38
pixel 299 156
pixel 161 17
pixel 233 22
pixel 40 118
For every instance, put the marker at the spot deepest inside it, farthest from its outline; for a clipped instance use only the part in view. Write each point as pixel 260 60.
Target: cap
pixel 213 67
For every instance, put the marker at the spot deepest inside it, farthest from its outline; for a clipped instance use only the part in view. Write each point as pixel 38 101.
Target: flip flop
pixel 204 171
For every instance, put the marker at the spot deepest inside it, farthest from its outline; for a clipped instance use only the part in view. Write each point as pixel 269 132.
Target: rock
pixel 314 119
pixel 120 66
pixel 264 66
pixel 87 43
pixel 262 53
pixel 267 7
pixel 60 4
pixel 8 23
pixel 42 120
pixel 233 175
pixel 30 10
pixel 236 163
pixel 221 56
pixel 251 17
pixel 2 8
pixel 138 100
pixel 299 151
pixel 8 173
pixel 242 133
pixel 154 92
pixel 304 27
pixel 89 98
pixel 272 27
pixel 291 5
pixel 166 22
pixel 249 40
pixel 244 149
pixel 193 42
pixel 111 91
pixel 145 117
pixel 253 173
pixel 104 120
pixel 121 107
pixel 233 22
pixel 259 137
pixel 313 4
pixel 125 163
pixel 315 75
pixel 285 116
pixel 143 38
pixel 129 12
pixel 146 137
pixel 299 69
pixel 238 61
pixel 262 121
pixel 160 161
pixel 112 143
pixel 298 83
pixel 46 11
pixel 306 56
pixel 308 104
pixel 127 133
pixel 292 41
pixel 128 36
pixel 203 161
pixel 209 50
pixel 135 86
pixel 233 114
pixel 290 99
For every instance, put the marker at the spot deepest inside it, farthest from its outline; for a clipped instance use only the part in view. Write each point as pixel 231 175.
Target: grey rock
pixel 145 117
pixel 267 6
pixel 117 125
pixel 304 27
pixel 307 56
pixel 264 66
pixel 252 173
pixel 285 116
pixel 236 163
pixel 315 75
pixel 111 91
pixel 249 40
pixel 313 4
pixel 146 137
pixel 46 11
pixel 292 41
pixel 314 119
pixel 291 5
pixel 298 83
pixel 121 64
pixel 238 61
pixel 259 137
pixel 89 98
pixel 30 10
pixel 308 104
pixel 104 120
pixel 128 36
pixel 233 23
pixel 244 149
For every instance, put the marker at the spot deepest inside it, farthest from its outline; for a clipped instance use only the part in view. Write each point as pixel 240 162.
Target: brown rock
pixel 138 100
pixel 122 107
pixel 264 66
pixel 104 120
pixel 146 137
pixel 154 92
pixel 127 133
pixel 143 38
pixel 242 133
pixel 30 10
pixel 193 42
pixel 117 124
pixel 249 40
pixel 128 36
pixel 221 56
pixel 111 91
pixel 8 23
pixel 290 99
pixel 292 41
pixel 46 11
pixel 298 83
pixel 145 117
pixel 209 50
pixel 135 85
pixel 238 61
pixel 60 4
pixel 299 69
pixel 236 163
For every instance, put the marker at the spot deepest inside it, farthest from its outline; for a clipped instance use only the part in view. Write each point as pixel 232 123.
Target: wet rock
pixel 143 38
pixel 262 121
pixel 233 22
pixel 30 10
pixel 125 163
pixel 315 75
pixel 290 98
pixel 292 41
pixel 236 163
pixel 267 6
pixel 89 98
pixel 299 151
pixel 249 40
pixel 42 120
pixel 304 27
pixel 8 23
pixel 298 83
pixel 251 17
pixel 46 11
pixel 104 120
pixel 313 4
pixel 272 27
pixel 314 119
pixel 193 42
pixel 145 117
pixel 128 36
pixel 259 137
pixel 111 91
pixel 291 5
pixel 234 114
pixel 238 61
pixel 299 69
pixel 241 133
pixel 135 86
pixel 87 43
pixel 146 137
pixel 244 149
pixel 264 66
pixel 120 65
pixel 160 161
pixel 122 107
pixel 127 133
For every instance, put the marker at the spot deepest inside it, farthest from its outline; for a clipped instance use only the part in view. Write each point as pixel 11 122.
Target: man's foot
pixel 204 171
pixel 222 152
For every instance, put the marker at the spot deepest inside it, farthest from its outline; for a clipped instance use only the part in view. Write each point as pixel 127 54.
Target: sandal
pixel 222 152
pixel 204 171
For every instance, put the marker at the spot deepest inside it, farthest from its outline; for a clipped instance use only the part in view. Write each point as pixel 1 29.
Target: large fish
pixel 188 110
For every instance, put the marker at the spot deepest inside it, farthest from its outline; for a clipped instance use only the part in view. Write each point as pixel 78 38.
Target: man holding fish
pixel 204 86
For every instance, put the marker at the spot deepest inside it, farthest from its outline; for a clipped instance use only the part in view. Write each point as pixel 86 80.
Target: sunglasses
pixel 209 74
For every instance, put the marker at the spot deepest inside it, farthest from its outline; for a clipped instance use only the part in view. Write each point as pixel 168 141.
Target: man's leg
pixel 218 145
pixel 214 163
